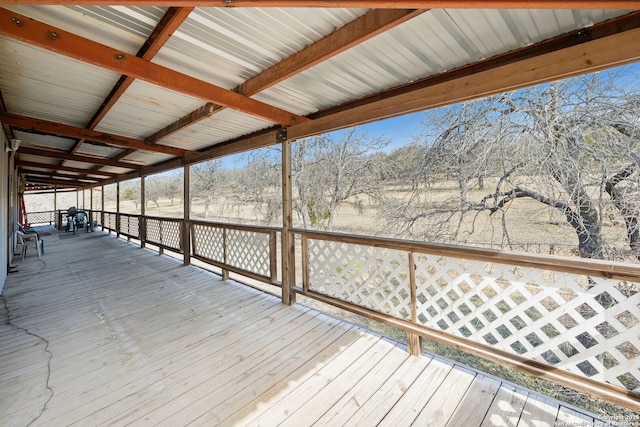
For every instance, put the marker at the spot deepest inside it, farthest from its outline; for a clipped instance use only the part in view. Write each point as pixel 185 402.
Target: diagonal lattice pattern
pixel 586 325
pixel 375 278
pixel 164 232
pixel 583 324
pixel 248 250
pixel 130 226
pixel 208 242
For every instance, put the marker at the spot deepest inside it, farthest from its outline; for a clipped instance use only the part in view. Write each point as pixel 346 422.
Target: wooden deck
pixel 100 332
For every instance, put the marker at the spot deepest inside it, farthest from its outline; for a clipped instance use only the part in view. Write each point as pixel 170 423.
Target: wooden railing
pixel 570 320
pixel 247 250
pixel 39 218
pixel 573 321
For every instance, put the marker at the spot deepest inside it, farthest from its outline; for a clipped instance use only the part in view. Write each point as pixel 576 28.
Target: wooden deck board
pixel 139 339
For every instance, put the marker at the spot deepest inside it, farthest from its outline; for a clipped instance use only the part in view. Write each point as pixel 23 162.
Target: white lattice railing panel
pixel 208 242
pixel 248 250
pixel 129 226
pixel 585 325
pixel 164 232
pixel 110 220
pixel 376 278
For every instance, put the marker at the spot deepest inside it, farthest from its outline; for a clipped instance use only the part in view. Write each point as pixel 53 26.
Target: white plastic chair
pixel 30 239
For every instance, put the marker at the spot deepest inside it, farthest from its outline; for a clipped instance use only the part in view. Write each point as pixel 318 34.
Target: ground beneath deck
pixel 100 332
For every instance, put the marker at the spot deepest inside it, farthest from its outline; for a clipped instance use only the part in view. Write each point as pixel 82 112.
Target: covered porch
pixel 102 332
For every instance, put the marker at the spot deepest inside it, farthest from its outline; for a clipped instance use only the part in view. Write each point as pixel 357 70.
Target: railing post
pixel 186 200
pixel 225 272
pixel 414 341
pixel 143 208
pixel 288 241
pixel 102 208
pixel 117 208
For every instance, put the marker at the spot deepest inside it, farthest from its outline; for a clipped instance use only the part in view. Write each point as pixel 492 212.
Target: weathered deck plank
pixel 134 338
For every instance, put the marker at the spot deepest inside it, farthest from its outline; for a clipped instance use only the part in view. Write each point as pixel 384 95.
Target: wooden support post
pixel 414 341
pixel 288 241
pixel 186 238
pixel 143 209
pixel 102 208
pixel 117 208
pixel 55 208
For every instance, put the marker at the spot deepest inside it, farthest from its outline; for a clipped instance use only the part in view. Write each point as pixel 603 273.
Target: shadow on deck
pixel 99 332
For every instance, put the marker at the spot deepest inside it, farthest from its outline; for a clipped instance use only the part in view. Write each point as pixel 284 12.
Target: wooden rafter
pixel 87 172
pixel 193 117
pixel 56 182
pixel 54 39
pixel 526 70
pixel 76 158
pixel 52 128
pixel 377 4
pixel 170 22
pixel 352 34
pixel 58 176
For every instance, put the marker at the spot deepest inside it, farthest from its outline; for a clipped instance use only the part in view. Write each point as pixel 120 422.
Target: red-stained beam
pixel 60 129
pixel 170 22
pixel 86 172
pixel 76 158
pixel 373 4
pixel 54 39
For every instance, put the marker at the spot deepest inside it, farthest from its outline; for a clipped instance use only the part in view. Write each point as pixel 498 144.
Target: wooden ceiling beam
pixel 56 40
pixel 52 128
pixel 87 172
pixel 374 4
pixel 75 157
pixel 583 57
pixel 170 22
pixel 56 174
pixel 193 117
pixel 57 182
pixel 352 34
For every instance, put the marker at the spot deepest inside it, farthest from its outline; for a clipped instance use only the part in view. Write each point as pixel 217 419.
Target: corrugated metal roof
pixel 94 150
pixel 49 141
pixel 220 127
pixel 228 46
pixel 96 23
pixel 434 42
pixel 46 85
pixel 145 108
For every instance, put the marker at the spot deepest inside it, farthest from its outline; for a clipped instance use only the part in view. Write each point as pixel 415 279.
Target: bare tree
pixel 330 172
pixel 205 182
pixel 571 146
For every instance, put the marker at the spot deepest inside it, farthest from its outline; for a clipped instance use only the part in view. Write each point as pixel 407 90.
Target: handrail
pixel 563 264
pixel 576 329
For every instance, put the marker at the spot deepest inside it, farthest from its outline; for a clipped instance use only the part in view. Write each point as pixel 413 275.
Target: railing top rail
pixel 256 228
pixel 591 267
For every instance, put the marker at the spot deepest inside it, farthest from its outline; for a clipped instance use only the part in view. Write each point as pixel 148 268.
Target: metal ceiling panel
pixel 94 150
pixel 39 159
pixel 431 43
pixel 122 28
pixel 113 169
pixel 145 108
pixel 227 124
pixel 47 141
pixel 42 84
pixel 146 158
pixel 226 46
